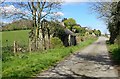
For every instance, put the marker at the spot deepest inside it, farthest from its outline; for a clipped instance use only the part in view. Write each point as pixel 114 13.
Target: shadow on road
pixel 101 59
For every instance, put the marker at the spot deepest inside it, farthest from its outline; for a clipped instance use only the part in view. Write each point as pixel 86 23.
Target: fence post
pixel 30 48
pixel 15 48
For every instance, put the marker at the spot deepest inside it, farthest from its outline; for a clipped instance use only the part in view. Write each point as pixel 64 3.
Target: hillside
pixel 17 25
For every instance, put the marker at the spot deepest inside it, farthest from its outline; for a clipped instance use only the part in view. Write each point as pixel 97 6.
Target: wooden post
pixel 15 48
pixel 30 48
pixel 48 38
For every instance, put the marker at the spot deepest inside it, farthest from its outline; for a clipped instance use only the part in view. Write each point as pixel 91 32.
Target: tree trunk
pixel 112 38
pixel 37 36
pixel 118 37
pixel 34 24
pixel 44 43
pixel 48 38
pixel 43 36
pixel 39 23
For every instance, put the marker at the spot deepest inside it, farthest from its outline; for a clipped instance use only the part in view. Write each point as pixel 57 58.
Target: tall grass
pixel 30 64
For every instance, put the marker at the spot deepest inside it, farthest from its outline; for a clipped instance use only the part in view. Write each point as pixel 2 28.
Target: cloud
pixel 54 14
pixel 58 14
pixel 9 9
pixel 44 13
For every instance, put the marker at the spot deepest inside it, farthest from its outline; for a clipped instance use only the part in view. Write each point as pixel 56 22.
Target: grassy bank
pixel 30 64
pixel 114 52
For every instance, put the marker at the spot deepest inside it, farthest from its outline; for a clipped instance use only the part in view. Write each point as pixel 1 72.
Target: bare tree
pixel 103 9
pixel 2 1
pixel 37 11
pixel 41 10
pixel 109 12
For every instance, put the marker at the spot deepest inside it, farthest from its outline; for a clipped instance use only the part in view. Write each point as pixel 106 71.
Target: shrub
pixel 56 42
pixel 116 55
pixel 115 52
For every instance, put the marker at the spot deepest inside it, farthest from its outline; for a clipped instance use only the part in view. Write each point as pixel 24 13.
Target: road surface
pixel 92 62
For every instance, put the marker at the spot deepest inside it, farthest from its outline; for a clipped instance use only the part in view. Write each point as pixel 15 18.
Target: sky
pixel 83 15
pixel 80 11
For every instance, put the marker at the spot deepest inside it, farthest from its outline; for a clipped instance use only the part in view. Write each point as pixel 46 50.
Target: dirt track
pixel 93 62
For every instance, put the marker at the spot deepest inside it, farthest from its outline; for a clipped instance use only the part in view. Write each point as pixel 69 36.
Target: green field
pixel 21 36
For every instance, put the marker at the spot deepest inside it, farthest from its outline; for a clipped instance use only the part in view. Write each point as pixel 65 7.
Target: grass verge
pixel 114 52
pixel 30 64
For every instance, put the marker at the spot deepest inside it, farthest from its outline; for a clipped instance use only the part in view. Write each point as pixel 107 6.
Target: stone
pixel 68 72
pixel 98 66
pixel 103 68
pixel 111 67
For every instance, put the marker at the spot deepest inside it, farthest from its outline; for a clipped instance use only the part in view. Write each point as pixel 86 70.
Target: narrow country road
pixel 92 62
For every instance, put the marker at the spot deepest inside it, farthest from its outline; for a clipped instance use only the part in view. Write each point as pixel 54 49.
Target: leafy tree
pixel 69 23
pixel 114 24
pixel 97 32
pixel 77 29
